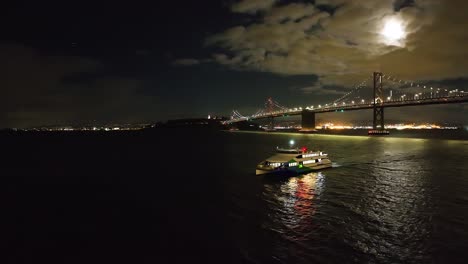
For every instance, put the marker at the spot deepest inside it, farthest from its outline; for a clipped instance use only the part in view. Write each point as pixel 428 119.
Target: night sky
pixel 96 62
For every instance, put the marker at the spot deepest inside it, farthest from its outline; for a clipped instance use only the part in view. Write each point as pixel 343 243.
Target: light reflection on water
pixel 296 199
pixel 386 200
pixel 395 206
pixel 293 205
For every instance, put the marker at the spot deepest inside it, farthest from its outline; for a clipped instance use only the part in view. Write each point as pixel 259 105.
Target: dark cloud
pixel 45 90
pixel 252 6
pixel 186 62
pixel 318 89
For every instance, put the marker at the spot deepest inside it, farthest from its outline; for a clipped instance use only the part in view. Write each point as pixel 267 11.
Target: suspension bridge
pixel 397 93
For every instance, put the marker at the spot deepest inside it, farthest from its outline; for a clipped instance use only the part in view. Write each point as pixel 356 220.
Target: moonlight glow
pixel 393 31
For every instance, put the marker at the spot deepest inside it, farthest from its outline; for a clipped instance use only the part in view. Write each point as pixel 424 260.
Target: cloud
pixel 333 3
pixel 289 12
pixel 252 6
pixel 319 89
pixel 185 62
pixel 345 45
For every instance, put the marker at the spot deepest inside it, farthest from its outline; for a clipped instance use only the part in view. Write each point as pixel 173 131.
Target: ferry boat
pixel 293 161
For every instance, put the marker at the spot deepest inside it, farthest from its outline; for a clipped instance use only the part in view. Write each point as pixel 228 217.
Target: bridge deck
pixel 325 109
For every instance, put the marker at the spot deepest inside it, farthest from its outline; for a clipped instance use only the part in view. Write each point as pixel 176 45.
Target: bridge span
pixel 404 94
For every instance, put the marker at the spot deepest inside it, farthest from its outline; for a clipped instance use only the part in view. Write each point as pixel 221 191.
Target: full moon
pixel 393 31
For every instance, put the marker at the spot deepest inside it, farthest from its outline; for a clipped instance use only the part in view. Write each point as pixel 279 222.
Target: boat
pixel 290 161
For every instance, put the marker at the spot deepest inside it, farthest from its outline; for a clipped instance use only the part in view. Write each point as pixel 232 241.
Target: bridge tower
pixel 378 102
pixel 308 120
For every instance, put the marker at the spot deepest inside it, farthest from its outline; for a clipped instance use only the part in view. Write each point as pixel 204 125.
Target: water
pixel 192 196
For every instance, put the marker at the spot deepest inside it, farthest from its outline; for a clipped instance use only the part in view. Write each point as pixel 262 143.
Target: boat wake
pixel 336 165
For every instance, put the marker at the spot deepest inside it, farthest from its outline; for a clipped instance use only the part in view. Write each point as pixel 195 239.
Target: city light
pixel 333 126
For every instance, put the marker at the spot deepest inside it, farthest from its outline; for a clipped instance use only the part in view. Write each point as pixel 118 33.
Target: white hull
pixel 261 172
pixel 296 170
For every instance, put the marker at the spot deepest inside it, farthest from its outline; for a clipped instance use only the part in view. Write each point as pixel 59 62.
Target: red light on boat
pixel 304 149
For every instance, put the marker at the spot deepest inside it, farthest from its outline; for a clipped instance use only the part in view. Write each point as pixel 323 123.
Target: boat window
pixel 273 164
pixel 309 155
